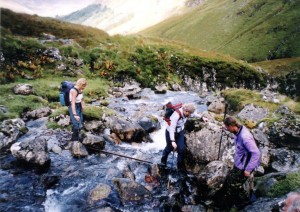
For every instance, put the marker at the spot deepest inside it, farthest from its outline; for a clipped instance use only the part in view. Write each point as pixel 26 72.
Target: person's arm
pixel 172 128
pixel 199 116
pixel 252 148
pixel 73 95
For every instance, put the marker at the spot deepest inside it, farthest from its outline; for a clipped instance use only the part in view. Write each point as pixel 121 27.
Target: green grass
pixel 238 98
pixel 286 185
pixel 46 94
pixel 253 30
pixel 280 67
pixel 36 26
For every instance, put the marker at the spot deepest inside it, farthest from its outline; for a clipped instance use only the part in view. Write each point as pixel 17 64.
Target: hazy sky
pixel 49 8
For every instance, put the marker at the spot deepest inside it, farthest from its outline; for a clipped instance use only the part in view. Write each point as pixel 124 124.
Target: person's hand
pixel 77 118
pixel 247 174
pixel 174 145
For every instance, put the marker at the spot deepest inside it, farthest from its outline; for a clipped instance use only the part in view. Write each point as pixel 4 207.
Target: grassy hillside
pixel 253 30
pixel 34 26
pixel 280 67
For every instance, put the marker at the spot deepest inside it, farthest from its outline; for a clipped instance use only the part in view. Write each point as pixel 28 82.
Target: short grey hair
pixel 190 107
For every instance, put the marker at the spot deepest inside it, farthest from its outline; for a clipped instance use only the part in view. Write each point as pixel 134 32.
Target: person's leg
pixel 167 149
pixel 233 188
pixel 181 150
pixel 75 125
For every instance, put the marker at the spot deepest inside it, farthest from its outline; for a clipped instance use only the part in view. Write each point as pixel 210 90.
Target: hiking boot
pixel 163 161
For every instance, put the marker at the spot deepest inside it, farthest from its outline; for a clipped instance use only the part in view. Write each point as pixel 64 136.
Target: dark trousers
pixel 232 192
pixel 76 125
pixel 179 139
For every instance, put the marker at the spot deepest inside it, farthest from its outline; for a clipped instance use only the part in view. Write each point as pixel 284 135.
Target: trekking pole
pixel 173 160
pixel 120 155
pixel 222 131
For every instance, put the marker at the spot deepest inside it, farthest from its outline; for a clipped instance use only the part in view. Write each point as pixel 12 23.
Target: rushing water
pixel 66 184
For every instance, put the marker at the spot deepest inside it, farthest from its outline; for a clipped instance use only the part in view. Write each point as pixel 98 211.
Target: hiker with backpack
pixel 246 160
pixel 174 135
pixel 76 107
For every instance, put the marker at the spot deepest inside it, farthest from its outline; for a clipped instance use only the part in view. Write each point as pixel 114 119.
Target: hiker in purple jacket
pixel 246 160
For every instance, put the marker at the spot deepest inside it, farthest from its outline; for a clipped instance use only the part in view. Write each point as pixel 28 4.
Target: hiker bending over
pixel 175 134
pixel 246 160
pixel 76 107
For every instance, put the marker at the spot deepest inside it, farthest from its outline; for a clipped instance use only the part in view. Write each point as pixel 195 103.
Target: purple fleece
pixel 244 143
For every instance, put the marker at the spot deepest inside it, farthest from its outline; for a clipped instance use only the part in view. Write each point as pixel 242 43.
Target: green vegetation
pixel 238 98
pixel 286 185
pixel 45 94
pixel 280 67
pixel 254 30
pixel 35 26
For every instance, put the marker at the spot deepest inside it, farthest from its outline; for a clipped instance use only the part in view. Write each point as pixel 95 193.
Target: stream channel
pixel 67 183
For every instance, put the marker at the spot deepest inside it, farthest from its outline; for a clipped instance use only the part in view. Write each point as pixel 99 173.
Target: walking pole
pixel 173 160
pixel 222 131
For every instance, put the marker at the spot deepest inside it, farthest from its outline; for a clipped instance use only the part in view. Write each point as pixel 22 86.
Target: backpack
pixel 169 110
pixel 64 93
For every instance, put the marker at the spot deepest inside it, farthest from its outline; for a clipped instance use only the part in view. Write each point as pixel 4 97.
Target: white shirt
pixel 78 98
pixel 177 123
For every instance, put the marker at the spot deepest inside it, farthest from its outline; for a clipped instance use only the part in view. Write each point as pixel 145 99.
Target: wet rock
pixel 149 124
pixel 265 204
pixel 50 180
pixel 33 151
pixel 10 131
pixel 56 149
pixel 78 149
pixel 212 177
pixel 203 145
pixel 286 131
pixel 23 89
pixel 161 89
pixel 254 113
pixel 284 159
pixel 131 191
pixel 38 113
pixel 93 140
pixel 193 208
pixel 101 191
pixel 126 130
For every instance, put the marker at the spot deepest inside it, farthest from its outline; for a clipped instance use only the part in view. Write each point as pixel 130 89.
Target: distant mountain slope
pixel 128 16
pixel 84 15
pixel 253 30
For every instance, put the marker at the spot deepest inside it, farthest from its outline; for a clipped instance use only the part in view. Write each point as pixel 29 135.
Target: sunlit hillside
pixel 250 30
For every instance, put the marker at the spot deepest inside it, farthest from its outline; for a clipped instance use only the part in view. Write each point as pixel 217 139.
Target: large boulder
pixel 286 131
pixel 254 113
pixel 126 130
pixel 203 145
pixel 38 113
pixel 34 151
pixel 211 179
pixel 93 140
pixel 10 131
